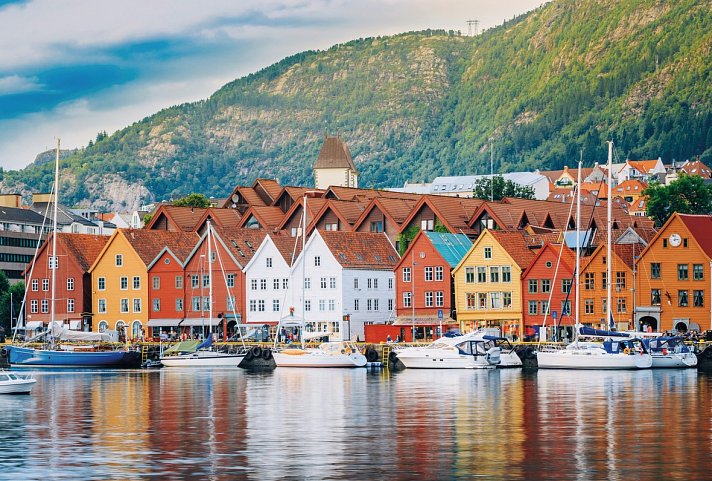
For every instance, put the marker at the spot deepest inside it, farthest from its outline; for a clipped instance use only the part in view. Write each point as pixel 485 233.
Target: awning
pixel 32 325
pixel 424 321
pixel 163 322
pixel 75 325
pixel 198 321
pixel 314 335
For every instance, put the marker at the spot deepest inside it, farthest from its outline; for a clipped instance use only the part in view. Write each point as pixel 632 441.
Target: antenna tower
pixel 470 24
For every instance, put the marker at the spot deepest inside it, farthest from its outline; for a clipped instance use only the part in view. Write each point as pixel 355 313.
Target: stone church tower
pixel 334 166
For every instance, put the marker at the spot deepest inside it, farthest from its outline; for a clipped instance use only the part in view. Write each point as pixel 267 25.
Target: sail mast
pixel 210 281
pixel 53 260
pixel 609 212
pixel 578 247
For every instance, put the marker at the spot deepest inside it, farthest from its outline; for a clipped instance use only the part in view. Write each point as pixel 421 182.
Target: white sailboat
pixel 204 354
pixel 618 350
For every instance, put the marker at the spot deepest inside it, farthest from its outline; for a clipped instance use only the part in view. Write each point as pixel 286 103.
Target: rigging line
pixel 233 307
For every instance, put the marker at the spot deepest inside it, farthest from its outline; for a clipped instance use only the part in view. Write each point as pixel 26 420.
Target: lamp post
pixel 412 292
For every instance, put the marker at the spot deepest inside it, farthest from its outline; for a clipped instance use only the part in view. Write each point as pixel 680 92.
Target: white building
pixel 462 185
pixel 334 166
pixel 343 280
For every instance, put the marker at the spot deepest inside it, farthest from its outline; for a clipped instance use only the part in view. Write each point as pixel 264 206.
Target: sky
pixel 72 68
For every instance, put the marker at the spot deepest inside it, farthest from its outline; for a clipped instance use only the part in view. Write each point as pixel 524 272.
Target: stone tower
pixel 334 166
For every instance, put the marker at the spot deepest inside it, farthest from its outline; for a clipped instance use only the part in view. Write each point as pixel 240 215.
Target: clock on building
pixel 675 240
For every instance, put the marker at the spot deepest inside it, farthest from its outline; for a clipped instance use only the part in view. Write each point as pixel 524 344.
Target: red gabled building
pixel 543 290
pixel 73 302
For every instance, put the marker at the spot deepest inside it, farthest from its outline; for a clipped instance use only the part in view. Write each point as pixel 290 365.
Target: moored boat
pixel 11 383
pixel 328 354
pixel 470 351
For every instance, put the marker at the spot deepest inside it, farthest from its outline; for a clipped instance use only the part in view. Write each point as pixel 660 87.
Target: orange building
pixel 673 285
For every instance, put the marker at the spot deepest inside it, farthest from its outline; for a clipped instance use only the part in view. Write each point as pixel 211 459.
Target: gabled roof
pixel 334 154
pixel 84 248
pixel 289 247
pixel 568 258
pixel 22 216
pixel 700 226
pixel 355 193
pixel 632 186
pixel 361 250
pixel 643 166
pixel 451 247
pixel 696 167
pixel 516 245
pixel 347 211
pixel 623 252
pixel 180 218
pixel 240 243
pixel 269 217
pixel 554 175
pixel 220 217
pixel 295 193
pixel 245 196
pixel 314 205
pixel 65 216
pixel 397 210
pixel 270 186
pixel 149 243
pixel 453 212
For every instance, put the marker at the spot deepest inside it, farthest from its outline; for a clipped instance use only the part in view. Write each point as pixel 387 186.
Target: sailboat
pixel 55 354
pixel 343 353
pixel 204 355
pixel 618 350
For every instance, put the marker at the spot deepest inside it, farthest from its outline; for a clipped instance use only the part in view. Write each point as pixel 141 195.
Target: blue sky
pixel 72 68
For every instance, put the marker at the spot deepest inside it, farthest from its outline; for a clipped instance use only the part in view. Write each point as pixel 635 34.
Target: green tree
pixel 17 291
pixel 686 195
pixel 497 188
pixel 193 200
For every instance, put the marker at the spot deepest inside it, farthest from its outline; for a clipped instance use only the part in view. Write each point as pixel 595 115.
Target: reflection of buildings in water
pixel 321 414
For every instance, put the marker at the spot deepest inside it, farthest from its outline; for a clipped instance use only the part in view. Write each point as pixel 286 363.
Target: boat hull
pixel 587 359
pixel 432 359
pixel 17 386
pixel 674 360
pixel 316 359
pixel 509 359
pixel 29 357
pixel 203 359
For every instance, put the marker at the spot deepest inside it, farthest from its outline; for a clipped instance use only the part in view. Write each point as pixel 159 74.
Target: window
pixel 406 274
pixel 682 298
pixel 533 286
pixel 253 305
pixel 620 280
pixel 33 306
pixel 604 305
pixel 285 283
pixel 655 270
pixel 317 261
pixel 565 308
pixel 45 284
pixel 682 272
pixel 697 272
pixel 604 280
pixel 470 275
pixel 356 306
pixel 481 300
pixel 390 304
pixel 533 308
pixel 206 303
pixel 439 273
pixel 261 305
pixel 101 306
pixel 119 260
pixel 53 262
pixel 206 280
pixel 654 297
pixel 35 285
pixel 124 305
pixel 137 304
pixel 194 281
pixel 268 262
pixel 275 305
pixel 470 300
pixel 481 274
pixel 495 299
pixel 179 305
pixel 428 274
pixel 123 283
pixel 230 281
pixel 429 299
pixel 195 303
pixel 439 299
pixel 332 226
pixel 45 306
pixel 307 305
pixel 355 282
pixel 507 300
pixel 698 298
pixel 307 283
pixel 589 281
pixel 494 274
pixel 70 284
pixel 156 305
pixel 156 281
pixel 369 304
pixel 136 282
pixel 622 305
pixel 545 307
pixel 684 242
pixel 332 282
pixel 377 226
pixel 545 286
pixel 323 283
pixel 506 274
pixel 230 303
pixel 427 224
pixel 253 284
pixel 101 283
pixel 70 305
pixel 263 284
pixel 588 306
pixel 407 297
pixel 322 305
pixel 275 284
pixel 565 286
pixel 488 252
pixel 390 283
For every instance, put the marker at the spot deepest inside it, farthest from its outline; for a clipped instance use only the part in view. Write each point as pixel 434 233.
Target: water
pixel 357 425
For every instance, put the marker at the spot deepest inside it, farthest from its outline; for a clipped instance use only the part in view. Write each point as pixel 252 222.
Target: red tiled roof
pixel 516 245
pixel 643 166
pixel 84 247
pixel 700 226
pixel 149 243
pixel 271 186
pixel 287 245
pixel 697 168
pixel 269 216
pixel 351 193
pixel 242 243
pixel 632 186
pixel 361 250
pixel 346 210
pixel 183 218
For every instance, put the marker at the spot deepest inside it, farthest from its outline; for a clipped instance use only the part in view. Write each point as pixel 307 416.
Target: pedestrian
pixel 388 339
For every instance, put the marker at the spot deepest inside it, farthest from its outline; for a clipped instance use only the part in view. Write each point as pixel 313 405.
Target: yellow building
pixel 119 277
pixel 488 287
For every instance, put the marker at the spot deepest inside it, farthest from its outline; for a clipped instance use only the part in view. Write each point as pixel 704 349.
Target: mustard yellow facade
pixel 488 291
pixel 119 288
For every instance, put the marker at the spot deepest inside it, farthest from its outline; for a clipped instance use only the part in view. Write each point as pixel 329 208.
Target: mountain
pixel 544 88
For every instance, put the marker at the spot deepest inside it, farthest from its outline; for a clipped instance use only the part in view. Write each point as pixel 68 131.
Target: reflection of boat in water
pixel 11 383
pixel 470 351
pixel 328 354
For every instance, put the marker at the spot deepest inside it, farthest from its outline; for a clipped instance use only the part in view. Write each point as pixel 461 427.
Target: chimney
pixel 10 200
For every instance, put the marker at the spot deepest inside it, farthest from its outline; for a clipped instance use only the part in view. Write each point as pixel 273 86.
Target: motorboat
pixel 670 352
pixel 327 354
pixel 200 355
pixel 508 356
pixel 11 383
pixel 470 351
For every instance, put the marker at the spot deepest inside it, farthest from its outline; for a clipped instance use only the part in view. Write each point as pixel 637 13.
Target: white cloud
pixel 16 84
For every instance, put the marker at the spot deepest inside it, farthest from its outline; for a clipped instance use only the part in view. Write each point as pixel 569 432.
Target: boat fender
pixel 665 352
pixel 266 354
pixel 626 351
pixel 256 351
pixel 393 357
pixel 707 352
pixel 529 353
pixel 248 355
pixel 371 355
pixel 3 352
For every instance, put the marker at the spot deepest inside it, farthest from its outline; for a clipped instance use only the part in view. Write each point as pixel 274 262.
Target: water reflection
pixel 350 424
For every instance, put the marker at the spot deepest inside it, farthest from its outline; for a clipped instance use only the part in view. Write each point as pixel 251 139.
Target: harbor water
pixel 227 424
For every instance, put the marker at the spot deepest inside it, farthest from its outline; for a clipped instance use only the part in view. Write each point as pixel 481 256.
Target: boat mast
pixel 210 281
pixel 304 267
pixel 578 248
pixel 53 260
pixel 609 212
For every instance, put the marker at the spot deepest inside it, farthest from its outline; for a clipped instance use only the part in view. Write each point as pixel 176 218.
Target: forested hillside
pixel 541 88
